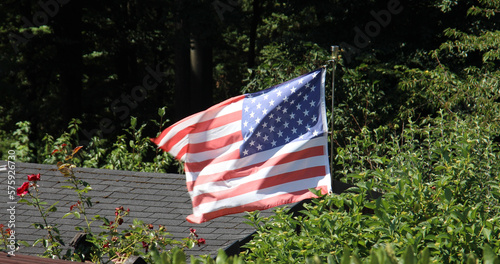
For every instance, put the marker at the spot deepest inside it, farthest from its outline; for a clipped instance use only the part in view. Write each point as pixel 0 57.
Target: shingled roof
pixel 156 198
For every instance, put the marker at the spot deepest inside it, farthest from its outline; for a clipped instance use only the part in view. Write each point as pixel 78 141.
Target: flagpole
pixel 335 52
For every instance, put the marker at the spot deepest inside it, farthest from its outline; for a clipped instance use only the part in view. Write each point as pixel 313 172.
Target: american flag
pixel 254 151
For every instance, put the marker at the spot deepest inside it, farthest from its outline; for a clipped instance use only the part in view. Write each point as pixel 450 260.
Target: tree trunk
pixel 182 64
pixel 193 59
pixel 201 74
pixel 68 38
pixel 253 33
pixel 126 56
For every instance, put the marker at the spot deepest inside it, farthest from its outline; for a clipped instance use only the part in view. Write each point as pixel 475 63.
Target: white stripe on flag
pixel 260 194
pixel 256 159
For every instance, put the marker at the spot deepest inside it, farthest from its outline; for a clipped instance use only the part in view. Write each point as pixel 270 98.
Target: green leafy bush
pixel 131 151
pixel 440 184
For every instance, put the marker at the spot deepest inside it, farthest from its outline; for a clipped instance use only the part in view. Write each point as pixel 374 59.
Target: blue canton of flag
pixel 282 114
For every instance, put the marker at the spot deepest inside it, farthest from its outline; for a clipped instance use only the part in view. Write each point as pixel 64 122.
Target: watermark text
pixel 10 168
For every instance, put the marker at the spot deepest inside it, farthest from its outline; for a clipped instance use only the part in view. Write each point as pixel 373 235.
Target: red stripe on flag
pixel 263 204
pixel 216 122
pixel 198 166
pixel 201 127
pixel 187 129
pixel 253 168
pixel 215 143
pixel 165 147
pixel 182 152
pixel 259 184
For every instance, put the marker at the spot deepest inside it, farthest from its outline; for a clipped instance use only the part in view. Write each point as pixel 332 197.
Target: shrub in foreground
pixel 440 184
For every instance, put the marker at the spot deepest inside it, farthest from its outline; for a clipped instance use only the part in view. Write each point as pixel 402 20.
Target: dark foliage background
pixel 416 116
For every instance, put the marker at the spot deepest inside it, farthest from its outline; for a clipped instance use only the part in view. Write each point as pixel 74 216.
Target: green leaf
pixel 409 258
pixel 487 233
pixel 161 111
pixel 440 168
pixel 221 257
pixel 374 258
pixel 346 257
pixel 315 192
pixel 448 194
pixel 67 214
pixel 75 213
pixel 425 256
pixel 133 122
pixel 471 259
pixel 38 225
pixel 178 256
pixel 52 208
pixel 489 257
pixel 24 200
pixel 38 241
pixel 24 243
pixel 355 259
pixel 313 260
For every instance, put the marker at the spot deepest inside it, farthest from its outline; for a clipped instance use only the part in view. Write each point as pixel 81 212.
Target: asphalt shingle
pixel 157 198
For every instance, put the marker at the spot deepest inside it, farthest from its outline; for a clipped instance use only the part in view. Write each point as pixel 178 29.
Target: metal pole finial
pixel 335 52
